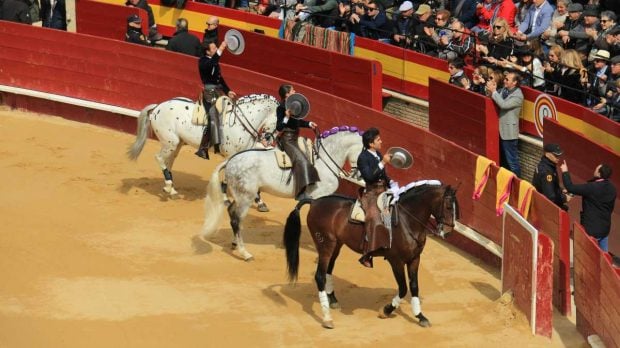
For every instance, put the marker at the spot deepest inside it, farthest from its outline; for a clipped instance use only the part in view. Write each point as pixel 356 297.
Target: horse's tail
pixel 214 202
pixel 292 233
pixel 143 129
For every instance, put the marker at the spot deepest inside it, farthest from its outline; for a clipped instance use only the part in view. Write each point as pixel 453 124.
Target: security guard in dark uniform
pixel 134 31
pixel 214 86
pixel 546 179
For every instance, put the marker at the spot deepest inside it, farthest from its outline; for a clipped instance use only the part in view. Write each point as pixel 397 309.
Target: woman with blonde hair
pixel 553 69
pixel 500 44
pixel 572 77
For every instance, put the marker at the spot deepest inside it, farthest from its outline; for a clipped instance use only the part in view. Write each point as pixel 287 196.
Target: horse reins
pixel 247 125
pixel 439 219
pixel 319 146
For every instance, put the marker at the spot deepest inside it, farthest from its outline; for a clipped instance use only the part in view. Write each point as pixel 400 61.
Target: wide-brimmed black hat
pixel 298 105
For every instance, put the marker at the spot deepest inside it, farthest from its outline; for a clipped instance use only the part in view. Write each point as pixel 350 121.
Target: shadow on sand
pixel 191 188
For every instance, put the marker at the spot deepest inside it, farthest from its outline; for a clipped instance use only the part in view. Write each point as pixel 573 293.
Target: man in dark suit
pixel 183 41
pixel 371 165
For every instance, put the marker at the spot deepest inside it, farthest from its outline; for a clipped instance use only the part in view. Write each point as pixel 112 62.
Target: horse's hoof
pixel 383 315
pixel 328 324
pixel 262 207
pixel 248 259
pixel 334 305
pixel 425 323
pixel 233 246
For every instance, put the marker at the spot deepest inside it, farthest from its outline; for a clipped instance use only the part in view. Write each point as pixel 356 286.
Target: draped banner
pixel 320 37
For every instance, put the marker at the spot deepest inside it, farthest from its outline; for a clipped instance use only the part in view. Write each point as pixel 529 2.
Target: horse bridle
pixel 245 122
pixel 438 231
pixel 319 145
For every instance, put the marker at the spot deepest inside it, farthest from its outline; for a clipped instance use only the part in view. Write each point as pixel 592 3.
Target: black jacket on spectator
pixel 571 88
pixel 210 36
pixel 467 12
pixel 55 18
pixel 598 200
pixel 502 49
pixel 16 11
pixel 546 181
pixel 186 43
pixel 145 6
pixel 422 42
pixel 552 78
pixel 375 27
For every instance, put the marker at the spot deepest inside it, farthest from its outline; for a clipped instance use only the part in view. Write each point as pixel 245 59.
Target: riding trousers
pixel 304 173
pixel 377 235
pixel 210 95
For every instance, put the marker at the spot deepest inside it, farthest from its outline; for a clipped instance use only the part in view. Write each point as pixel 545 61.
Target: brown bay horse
pixel 329 225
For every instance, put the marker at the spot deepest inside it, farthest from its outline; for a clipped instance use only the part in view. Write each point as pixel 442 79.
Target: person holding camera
pixel 374 24
pixel 403 28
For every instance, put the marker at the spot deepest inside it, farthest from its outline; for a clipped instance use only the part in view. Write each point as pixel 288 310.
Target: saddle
pixel 200 116
pixel 305 144
pixel 358 215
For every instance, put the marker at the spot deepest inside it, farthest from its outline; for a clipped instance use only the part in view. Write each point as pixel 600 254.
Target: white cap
pixel 405 6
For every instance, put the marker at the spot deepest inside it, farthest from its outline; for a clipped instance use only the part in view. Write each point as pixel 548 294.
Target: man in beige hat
pixel 598 75
pixel 422 22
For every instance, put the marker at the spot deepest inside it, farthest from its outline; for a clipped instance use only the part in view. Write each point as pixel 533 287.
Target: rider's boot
pixel 203 148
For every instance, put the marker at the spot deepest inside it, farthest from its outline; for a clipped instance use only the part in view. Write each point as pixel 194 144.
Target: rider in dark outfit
pixel 288 133
pixel 371 165
pixel 214 86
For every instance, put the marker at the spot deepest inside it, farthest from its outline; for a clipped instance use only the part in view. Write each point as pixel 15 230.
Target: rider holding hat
pixel 288 133
pixel 214 86
pixel 371 165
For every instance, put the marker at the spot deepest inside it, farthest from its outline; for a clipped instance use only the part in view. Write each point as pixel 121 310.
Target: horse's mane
pixel 338 196
pixel 416 191
pixel 255 96
pixel 340 130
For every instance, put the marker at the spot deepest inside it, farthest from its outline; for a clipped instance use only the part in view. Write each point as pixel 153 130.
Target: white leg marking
pixel 324 306
pixel 329 284
pixel 415 306
pixel 396 301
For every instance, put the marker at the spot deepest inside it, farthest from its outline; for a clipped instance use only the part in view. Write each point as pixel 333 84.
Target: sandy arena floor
pixel 93 255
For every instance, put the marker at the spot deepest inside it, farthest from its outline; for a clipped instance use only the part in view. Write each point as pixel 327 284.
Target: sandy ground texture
pixel 93 255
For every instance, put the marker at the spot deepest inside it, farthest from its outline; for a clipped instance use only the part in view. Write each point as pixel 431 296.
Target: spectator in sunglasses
pixel 374 24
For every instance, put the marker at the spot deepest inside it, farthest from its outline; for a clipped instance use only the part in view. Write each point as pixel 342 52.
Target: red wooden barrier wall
pixel 554 222
pixel 473 124
pixel 355 79
pixel 105 20
pixel 582 156
pixel 597 290
pixel 95 69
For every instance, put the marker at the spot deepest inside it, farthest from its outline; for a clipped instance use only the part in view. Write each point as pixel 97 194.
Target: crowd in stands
pixel 567 49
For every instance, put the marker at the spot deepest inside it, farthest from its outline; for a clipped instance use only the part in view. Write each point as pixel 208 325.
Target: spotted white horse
pixel 243 122
pixel 253 170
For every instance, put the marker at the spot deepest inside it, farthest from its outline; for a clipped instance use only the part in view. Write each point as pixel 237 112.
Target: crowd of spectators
pixel 563 48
